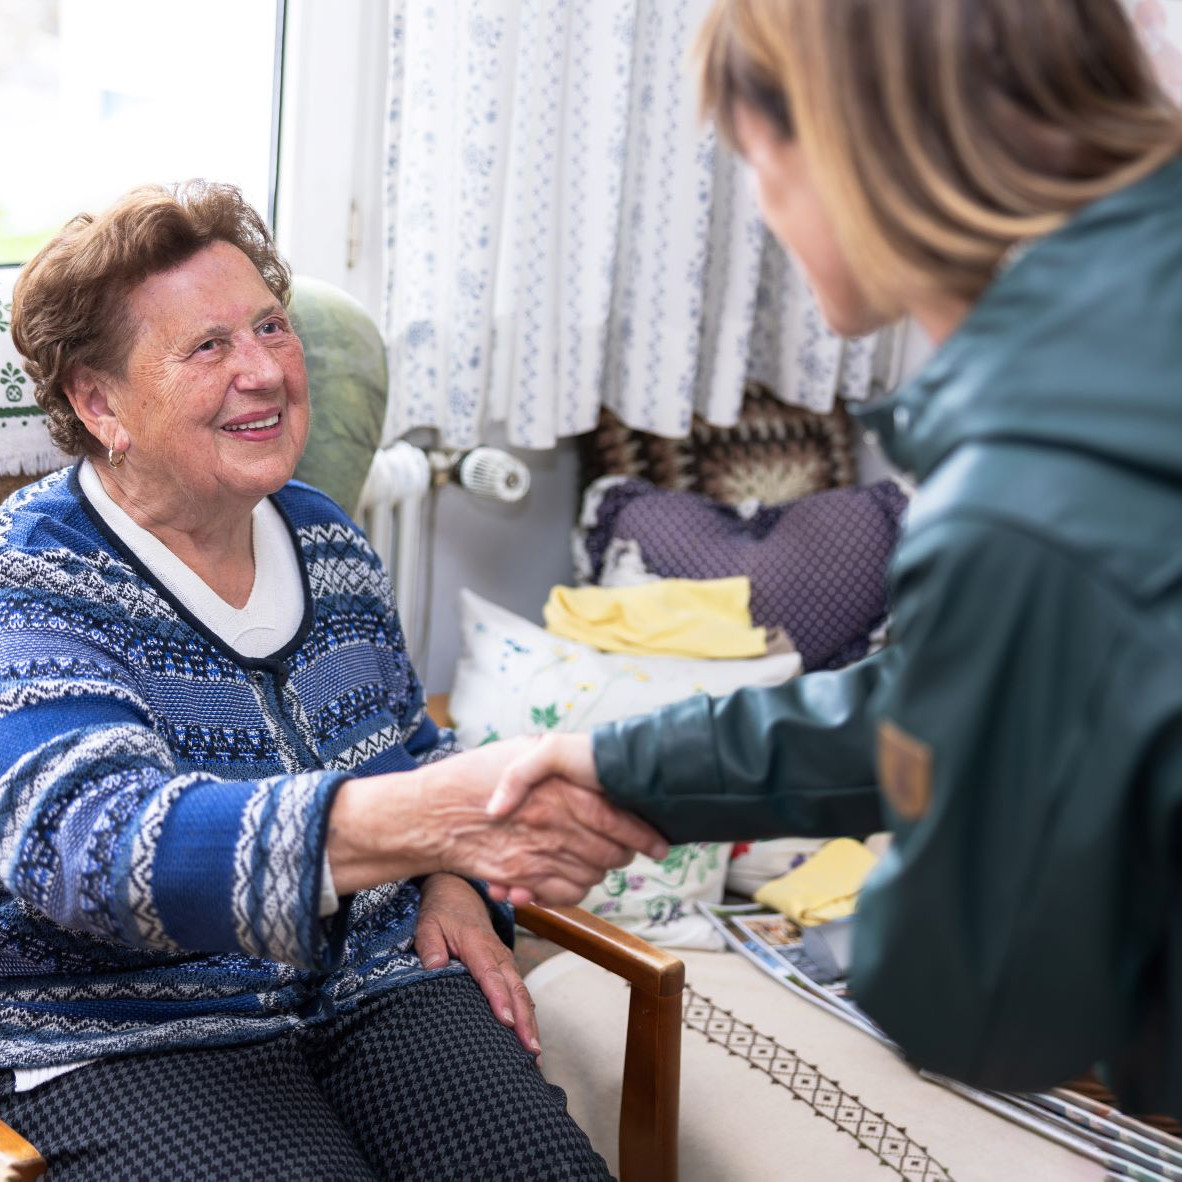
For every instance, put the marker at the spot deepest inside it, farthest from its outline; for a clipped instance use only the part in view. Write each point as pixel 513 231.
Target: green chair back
pixel 347 379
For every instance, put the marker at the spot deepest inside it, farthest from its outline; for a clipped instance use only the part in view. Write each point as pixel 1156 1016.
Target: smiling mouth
pixel 255 425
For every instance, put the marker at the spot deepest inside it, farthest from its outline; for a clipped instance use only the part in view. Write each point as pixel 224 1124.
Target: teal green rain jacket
pixel 1022 733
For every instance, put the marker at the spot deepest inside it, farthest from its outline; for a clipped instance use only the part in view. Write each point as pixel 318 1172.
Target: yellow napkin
pixel 666 618
pixel 826 887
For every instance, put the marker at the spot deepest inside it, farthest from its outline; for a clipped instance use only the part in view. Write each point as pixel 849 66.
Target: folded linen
pixel 825 887
pixel 670 617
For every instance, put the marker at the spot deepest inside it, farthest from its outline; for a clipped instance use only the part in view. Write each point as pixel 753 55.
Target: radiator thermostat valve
pixel 490 472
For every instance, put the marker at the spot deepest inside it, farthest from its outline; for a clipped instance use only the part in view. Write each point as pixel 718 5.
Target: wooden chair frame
pixel 652 1057
pixel 19 1161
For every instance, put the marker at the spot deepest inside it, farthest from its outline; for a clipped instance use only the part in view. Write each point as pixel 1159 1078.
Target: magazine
pixel 1127 1148
pixel 773 942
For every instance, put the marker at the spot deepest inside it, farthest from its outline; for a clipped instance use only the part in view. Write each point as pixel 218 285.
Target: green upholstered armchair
pixel 347 382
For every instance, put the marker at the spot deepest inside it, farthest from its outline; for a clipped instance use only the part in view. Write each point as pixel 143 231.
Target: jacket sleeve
pixel 796 758
pixel 990 941
pixel 102 835
pixel 424 740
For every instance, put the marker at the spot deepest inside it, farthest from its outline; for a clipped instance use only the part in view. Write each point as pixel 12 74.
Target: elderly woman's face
pixel 214 403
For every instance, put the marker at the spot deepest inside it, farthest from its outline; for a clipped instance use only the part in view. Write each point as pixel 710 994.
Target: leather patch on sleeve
pixel 904 771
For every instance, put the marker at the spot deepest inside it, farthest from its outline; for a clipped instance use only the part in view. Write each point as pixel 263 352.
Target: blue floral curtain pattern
pixel 562 233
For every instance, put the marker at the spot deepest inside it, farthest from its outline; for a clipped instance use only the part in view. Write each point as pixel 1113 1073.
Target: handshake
pixel 528 815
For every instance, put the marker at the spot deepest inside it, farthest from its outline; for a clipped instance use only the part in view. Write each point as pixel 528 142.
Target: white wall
pixel 331 144
pixel 511 554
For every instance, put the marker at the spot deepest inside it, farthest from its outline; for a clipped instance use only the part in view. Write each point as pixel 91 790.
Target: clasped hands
pixel 526 814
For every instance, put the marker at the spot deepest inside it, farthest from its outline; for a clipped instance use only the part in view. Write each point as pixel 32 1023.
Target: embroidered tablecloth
pixel 773 1088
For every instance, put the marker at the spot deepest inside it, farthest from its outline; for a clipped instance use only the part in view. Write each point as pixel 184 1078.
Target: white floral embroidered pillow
pixel 656 899
pixel 514 678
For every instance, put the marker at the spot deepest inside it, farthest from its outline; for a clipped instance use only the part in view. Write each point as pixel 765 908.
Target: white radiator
pixel 392 510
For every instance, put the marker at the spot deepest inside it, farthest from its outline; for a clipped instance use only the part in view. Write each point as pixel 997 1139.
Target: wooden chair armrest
pixel 19 1161
pixel 438 709
pixel 652 1058
pixel 640 963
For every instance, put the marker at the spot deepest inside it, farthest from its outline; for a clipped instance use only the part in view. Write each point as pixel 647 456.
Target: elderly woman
pixel 1008 173
pixel 211 736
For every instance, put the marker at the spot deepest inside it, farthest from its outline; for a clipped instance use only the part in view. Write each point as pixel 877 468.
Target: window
pixel 331 193
pixel 97 96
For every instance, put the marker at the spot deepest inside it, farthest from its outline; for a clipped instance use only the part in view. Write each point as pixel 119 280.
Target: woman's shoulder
pixel 47 515
pixel 1106 518
pixel 306 507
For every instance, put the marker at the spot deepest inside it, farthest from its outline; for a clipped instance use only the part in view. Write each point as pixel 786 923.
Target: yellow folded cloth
pixel 824 888
pixel 666 618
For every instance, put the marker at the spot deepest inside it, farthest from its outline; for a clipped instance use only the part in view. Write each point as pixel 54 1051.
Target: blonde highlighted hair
pixel 941 133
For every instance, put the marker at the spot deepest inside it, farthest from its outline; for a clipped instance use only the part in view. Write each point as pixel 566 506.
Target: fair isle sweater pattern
pixel 163 800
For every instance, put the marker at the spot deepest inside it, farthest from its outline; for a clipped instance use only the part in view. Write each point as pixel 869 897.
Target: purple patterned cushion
pixel 817 565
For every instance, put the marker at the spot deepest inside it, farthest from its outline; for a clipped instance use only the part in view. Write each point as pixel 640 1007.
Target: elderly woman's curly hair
pixel 70 304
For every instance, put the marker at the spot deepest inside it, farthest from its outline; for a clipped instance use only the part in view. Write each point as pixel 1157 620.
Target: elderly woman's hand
pixel 556 845
pixel 454 922
pixel 556 757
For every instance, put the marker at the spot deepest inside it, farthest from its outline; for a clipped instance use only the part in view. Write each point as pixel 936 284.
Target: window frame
pixel 329 212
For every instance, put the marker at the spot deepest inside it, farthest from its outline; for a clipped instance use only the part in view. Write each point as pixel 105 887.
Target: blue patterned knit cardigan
pixel 164 800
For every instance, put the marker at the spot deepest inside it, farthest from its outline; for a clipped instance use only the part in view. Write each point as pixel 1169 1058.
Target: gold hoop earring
pixel 111 457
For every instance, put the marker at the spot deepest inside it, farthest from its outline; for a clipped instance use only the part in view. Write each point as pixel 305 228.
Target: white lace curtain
pixel 563 234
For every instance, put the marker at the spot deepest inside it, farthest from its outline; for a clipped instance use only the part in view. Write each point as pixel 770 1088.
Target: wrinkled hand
pixel 555 846
pixel 557 842
pixel 567 757
pixel 454 922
